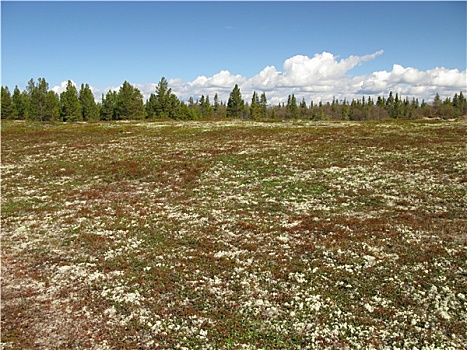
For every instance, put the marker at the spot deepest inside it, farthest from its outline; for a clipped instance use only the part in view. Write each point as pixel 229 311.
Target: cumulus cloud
pixel 413 82
pixel 319 78
pixel 325 76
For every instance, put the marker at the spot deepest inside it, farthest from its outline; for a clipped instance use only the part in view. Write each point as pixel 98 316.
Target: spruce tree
pixel 71 108
pixel 235 105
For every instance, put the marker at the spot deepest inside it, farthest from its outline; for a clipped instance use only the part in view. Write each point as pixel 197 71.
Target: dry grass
pixel 234 235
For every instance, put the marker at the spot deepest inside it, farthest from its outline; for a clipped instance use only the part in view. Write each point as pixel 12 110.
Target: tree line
pixel 38 103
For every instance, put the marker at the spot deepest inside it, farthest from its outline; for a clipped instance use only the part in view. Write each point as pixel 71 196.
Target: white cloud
pixel 317 78
pixel 413 82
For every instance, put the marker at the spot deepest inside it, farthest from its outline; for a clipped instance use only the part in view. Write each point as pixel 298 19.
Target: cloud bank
pixel 318 78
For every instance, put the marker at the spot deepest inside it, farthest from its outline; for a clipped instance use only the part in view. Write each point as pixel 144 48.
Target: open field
pixel 234 235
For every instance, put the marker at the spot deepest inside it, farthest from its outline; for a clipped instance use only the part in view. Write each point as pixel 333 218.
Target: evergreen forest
pixel 38 103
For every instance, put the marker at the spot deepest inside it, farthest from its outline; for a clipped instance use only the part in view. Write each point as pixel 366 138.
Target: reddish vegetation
pixel 229 235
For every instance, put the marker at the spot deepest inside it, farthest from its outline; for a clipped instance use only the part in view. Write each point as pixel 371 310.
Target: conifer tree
pixel 71 108
pixel 52 106
pixel 263 103
pixel 437 105
pixel 205 105
pixel 109 106
pixel 150 107
pixel 303 108
pixel 216 102
pixel 292 107
pixel 129 103
pixel 7 109
pixel 255 108
pixel 38 95
pixel 21 103
pixel 235 105
pixel 88 104
pixel 164 104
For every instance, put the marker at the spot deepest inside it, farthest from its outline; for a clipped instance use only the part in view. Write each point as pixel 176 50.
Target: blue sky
pixel 105 43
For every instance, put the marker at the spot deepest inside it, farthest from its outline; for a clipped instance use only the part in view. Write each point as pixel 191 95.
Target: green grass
pixel 231 234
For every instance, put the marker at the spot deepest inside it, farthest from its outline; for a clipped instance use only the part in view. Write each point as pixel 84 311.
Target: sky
pixel 315 50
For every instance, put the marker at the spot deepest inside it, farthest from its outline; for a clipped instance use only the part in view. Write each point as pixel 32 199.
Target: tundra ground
pixel 234 235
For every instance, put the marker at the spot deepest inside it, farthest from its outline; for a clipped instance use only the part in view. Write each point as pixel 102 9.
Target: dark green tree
pixel 216 102
pixel 303 109
pixel 437 102
pixel 38 93
pixel 52 106
pixel 21 103
pixel 130 102
pixel 263 104
pixel 109 106
pixel 235 105
pixel 165 100
pixel 7 110
pixel 205 107
pixel 88 104
pixel 150 107
pixel 345 111
pixel 164 103
pixel 292 107
pixel 255 108
pixel 461 105
pixel 71 108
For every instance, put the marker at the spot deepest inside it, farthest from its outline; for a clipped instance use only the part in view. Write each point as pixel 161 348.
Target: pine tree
pixel 7 109
pixel 129 102
pixel 216 102
pixel 235 105
pixel 292 107
pixel 205 105
pixel 21 103
pixel 52 106
pixel 38 95
pixel 109 106
pixel 303 108
pixel 163 104
pixel 255 108
pixel 390 100
pixel 437 105
pixel 71 108
pixel 396 107
pixel 150 107
pixel 462 108
pixel 345 112
pixel 88 104
pixel 263 104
